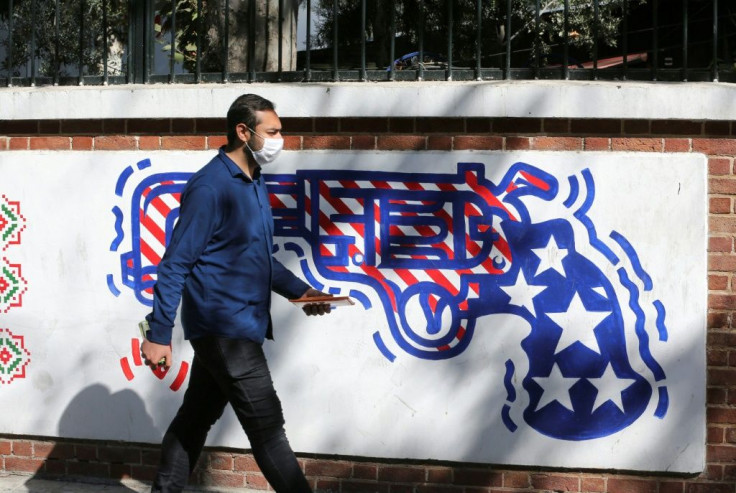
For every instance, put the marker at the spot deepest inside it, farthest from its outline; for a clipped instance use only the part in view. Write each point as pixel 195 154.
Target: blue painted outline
pixel 143 164
pixel 122 179
pixel 574 191
pixel 507 381
pixel 506 418
pixel 361 298
pixel 111 286
pixel 580 214
pixel 661 314
pixel 634 258
pixel 118 229
pixel 641 333
pixel 382 347
pixel 663 402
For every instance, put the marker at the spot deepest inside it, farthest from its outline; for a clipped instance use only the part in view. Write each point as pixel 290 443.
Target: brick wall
pixel 717 139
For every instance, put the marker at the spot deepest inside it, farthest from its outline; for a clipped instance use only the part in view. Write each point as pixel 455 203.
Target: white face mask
pixel 269 152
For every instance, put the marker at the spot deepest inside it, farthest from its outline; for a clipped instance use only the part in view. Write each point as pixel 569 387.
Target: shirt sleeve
pixel 285 283
pixel 195 228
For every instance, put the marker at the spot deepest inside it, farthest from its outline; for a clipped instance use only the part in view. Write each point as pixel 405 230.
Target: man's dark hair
pixel 243 110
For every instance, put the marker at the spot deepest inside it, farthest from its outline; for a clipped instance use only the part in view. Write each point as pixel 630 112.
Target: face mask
pixel 270 150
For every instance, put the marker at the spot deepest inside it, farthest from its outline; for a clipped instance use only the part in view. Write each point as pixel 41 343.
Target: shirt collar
pixel 234 169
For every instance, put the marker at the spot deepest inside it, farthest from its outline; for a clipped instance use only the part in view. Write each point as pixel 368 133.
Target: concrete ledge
pixel 519 99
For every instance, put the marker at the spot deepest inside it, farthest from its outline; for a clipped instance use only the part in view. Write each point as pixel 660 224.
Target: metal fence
pixel 93 42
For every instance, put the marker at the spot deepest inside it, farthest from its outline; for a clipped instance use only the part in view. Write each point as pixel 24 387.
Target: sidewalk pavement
pixel 28 484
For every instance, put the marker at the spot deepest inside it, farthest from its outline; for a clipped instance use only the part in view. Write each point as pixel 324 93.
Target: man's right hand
pixel 153 353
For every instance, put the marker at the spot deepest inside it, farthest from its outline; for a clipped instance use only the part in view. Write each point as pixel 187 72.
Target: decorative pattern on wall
pixel 14 357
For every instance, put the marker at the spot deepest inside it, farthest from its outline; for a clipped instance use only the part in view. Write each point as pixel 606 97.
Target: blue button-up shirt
pixel 219 261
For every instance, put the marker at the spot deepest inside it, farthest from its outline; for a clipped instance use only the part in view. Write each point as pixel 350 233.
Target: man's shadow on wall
pixel 89 416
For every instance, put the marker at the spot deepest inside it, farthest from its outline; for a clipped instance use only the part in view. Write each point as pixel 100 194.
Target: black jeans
pixel 234 371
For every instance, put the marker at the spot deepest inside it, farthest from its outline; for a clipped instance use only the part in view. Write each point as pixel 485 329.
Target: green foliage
pixel 37 29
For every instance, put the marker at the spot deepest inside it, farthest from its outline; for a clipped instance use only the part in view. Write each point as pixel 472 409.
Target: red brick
pixel 716 434
pixel 709 488
pixel 428 488
pixel 18 143
pixel 82 143
pixel 516 479
pixel 22 448
pixel 365 487
pixel 557 143
pixel 719 166
pixel 401 125
pixel 86 452
pixel 676 145
pixel 717 357
pixel 721 453
pixel 671 487
pixel 4 143
pixel 23 464
pixel 18 127
pixel 440 475
pixel 729 473
pixel 722 224
pixel 332 469
pixel 55 467
pixel 715 396
pixel 51 143
pixel 439 143
pixel 722 302
pixel 217 141
pixel 405 488
pixel 327 485
pixel 626 485
pixel 596 127
pixel 518 143
pixel 479 142
pixel 292 125
pixel 121 471
pixel 717 282
pixel 713 472
pixel 401 142
pixel 401 474
pixel 5 446
pixel 597 144
pixel 722 377
pixel 188 142
pixel 245 463
pixel 726 186
pixel 149 143
pixel 720 262
pixel 326 142
pixel 363 142
pixel 291 142
pixel 115 143
pixel 593 485
pixel 223 478
pixel 676 127
pixel 637 144
pixel 716 415
pixel 119 455
pixel 721 147
pixel 144 472
pixel 256 481
pixel 555 482
pixel 478 477
pixel 83 468
pixel 720 244
pixel 722 339
pixel 365 125
pixel 365 471
pixel 220 461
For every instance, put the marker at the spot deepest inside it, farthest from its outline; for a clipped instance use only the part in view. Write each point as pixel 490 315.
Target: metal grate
pixel 100 42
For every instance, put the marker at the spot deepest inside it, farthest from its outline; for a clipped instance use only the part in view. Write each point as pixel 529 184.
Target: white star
pixel 522 294
pixel 577 324
pixel 555 387
pixel 610 388
pixel 550 257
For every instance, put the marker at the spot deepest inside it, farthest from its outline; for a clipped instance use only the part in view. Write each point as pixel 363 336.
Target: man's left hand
pixel 319 308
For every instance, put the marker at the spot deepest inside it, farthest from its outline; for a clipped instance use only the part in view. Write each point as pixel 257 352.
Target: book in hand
pixel 329 300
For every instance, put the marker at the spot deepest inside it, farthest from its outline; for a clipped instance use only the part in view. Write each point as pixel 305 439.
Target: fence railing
pixel 85 42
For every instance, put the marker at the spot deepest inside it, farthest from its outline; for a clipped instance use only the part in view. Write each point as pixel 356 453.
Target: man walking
pixel 219 263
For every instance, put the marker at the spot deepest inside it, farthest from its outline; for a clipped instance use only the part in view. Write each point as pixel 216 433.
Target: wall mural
pixel 535 281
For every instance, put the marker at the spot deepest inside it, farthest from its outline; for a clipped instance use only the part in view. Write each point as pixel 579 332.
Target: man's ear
pixel 241 130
